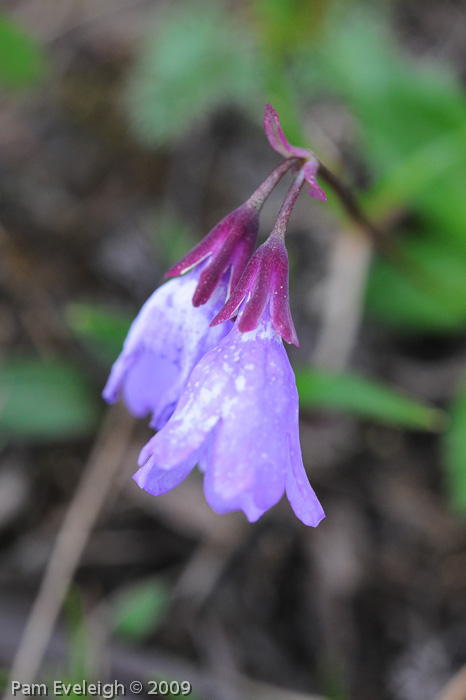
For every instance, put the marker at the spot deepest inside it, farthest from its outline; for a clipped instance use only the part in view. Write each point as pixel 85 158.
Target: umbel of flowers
pixel 205 359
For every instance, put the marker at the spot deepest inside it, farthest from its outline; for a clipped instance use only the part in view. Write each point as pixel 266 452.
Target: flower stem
pixel 257 199
pixel 281 224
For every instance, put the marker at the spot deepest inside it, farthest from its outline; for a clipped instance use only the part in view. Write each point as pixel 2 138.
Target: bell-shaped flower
pixel 166 340
pixel 237 419
pixel 229 246
pixel 280 144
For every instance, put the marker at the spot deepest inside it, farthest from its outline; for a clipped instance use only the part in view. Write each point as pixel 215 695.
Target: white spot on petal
pixel 240 383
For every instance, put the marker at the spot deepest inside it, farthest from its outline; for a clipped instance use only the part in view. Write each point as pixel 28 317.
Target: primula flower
pixel 166 340
pixel 224 396
pixel 237 419
pixel 231 242
pixel 280 144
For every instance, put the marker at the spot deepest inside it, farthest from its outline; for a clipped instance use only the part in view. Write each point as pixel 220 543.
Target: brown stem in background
pixel 390 248
pixel 351 205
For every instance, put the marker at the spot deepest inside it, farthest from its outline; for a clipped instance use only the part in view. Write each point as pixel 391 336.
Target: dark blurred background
pixel 127 130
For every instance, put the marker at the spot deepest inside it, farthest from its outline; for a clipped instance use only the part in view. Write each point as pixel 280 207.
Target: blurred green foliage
pixel 44 401
pixel 285 25
pixel 138 608
pixel 195 60
pixel 78 641
pixel 99 329
pixel 412 134
pixel 455 449
pixel 22 60
pixel 365 398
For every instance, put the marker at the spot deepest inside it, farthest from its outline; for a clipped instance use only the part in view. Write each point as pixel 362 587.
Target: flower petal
pixel 157 481
pixel 148 387
pixel 237 418
pixel 248 454
pixel 221 505
pixel 300 494
pixel 164 343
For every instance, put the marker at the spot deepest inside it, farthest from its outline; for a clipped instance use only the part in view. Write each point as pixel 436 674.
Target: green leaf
pixel 195 59
pixel 364 398
pixel 402 104
pixel 78 641
pixel 411 115
pixel 139 608
pixel 284 24
pixel 4 677
pixel 430 178
pixel 431 298
pixel 44 400
pixel 22 60
pixel 455 452
pixel 104 330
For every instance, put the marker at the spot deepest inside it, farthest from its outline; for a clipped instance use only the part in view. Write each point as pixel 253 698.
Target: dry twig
pixel 96 483
pixel 455 689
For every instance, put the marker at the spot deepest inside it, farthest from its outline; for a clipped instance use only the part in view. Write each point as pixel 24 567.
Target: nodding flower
pixel 238 420
pixel 222 394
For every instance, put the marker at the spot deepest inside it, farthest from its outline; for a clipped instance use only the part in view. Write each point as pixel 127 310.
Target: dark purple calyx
pixel 231 242
pixel 265 281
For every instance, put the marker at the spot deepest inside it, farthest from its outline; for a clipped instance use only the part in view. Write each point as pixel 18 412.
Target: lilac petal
pixel 300 494
pixel 195 416
pixel 111 391
pixel 157 481
pixel 218 501
pixel 277 138
pixel 165 342
pixel 148 384
pixel 223 505
pixel 248 456
pixel 235 419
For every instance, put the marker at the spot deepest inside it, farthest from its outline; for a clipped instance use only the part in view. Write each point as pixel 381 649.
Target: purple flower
pixel 237 419
pixel 280 144
pixel 166 340
pixel 231 242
